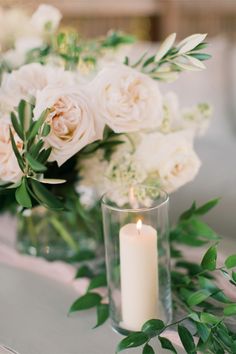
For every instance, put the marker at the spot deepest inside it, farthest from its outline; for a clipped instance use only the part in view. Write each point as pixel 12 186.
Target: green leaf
pixel 153 327
pixel 149 61
pixel 25 114
pixel 135 339
pixel 223 334
pixel 197 227
pixel 166 344
pixel 16 152
pixel 231 261
pixel 203 331
pixel 84 272
pixel 37 125
pixel 206 207
pixel 147 349
pixel 233 347
pixel 34 164
pixel 35 148
pixel 21 112
pixel 45 196
pixel 52 181
pixel 46 129
pixel 83 255
pixel 234 275
pixel 200 56
pixel 187 340
pixel 188 213
pixel 102 314
pixel 221 297
pixel 194 316
pixel 201 46
pixel 44 155
pixel 22 195
pixel 192 268
pixel 209 259
pixel 126 60
pixel 61 38
pixel 98 282
pixel 209 318
pixel 230 310
pixel 17 126
pixel 85 302
pixel 198 297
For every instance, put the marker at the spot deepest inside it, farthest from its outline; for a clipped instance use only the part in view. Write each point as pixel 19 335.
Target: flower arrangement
pixel 78 118
pixel 75 115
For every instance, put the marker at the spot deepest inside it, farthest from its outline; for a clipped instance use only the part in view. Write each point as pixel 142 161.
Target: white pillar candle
pixel 139 275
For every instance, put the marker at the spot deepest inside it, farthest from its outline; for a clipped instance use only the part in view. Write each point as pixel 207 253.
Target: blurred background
pixel 150 21
pixel 147 19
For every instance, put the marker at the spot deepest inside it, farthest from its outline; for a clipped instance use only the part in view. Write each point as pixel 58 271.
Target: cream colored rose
pixel 46 17
pixel 9 168
pixel 171 157
pixel 25 82
pixel 72 120
pixel 126 99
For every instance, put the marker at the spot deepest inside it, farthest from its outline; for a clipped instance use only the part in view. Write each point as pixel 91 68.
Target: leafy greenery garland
pixel 205 326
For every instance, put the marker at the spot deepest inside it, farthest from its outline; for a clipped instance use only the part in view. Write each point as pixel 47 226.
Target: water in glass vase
pixel 51 234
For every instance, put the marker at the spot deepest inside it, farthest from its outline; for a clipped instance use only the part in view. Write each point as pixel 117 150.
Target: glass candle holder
pixel 136 234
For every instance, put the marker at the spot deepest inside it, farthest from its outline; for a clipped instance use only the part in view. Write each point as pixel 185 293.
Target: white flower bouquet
pixel 76 120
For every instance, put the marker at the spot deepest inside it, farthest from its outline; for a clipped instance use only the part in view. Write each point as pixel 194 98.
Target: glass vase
pixel 136 235
pixel 54 235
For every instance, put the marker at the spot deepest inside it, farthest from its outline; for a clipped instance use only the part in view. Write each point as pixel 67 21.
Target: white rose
pixel 46 17
pixel 72 120
pixel 25 82
pixel 126 99
pixel 171 157
pixel 9 168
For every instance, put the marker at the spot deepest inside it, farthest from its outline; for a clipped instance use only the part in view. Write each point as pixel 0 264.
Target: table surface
pixel 33 318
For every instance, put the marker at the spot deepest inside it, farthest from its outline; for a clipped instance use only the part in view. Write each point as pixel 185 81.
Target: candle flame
pixel 139 225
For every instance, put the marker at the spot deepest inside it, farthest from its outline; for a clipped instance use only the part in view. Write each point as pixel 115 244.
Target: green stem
pixel 58 226
pixel 31 230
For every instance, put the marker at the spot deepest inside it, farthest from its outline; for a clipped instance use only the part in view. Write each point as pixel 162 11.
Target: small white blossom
pixel 46 18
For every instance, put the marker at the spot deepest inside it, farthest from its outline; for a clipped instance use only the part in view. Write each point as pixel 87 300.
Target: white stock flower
pixel 17 56
pixel 91 172
pixel 100 175
pixel 197 118
pixel 169 156
pixel 25 82
pixel 46 17
pixel 72 120
pixel 126 99
pixel 171 112
pixel 124 170
pixel 9 168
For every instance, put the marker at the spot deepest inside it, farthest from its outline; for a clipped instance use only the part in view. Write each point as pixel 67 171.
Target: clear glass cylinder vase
pixel 54 235
pixel 136 235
